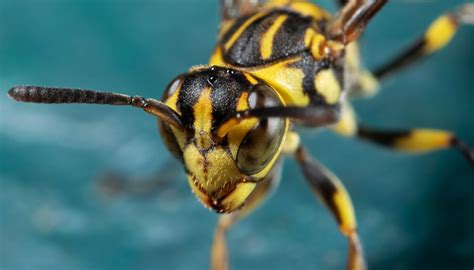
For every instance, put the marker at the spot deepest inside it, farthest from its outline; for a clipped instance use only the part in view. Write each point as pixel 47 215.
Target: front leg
pixel 333 194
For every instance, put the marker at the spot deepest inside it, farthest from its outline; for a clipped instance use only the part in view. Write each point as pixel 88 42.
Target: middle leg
pixel 333 194
pixel 219 253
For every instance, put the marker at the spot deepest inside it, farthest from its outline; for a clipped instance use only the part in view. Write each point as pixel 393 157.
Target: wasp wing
pixel 231 9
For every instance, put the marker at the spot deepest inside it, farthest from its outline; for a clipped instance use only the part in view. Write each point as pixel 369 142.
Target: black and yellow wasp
pixel 276 65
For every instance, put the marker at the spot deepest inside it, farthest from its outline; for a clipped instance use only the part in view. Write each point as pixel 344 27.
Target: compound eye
pixel 172 87
pixel 261 144
pixel 166 132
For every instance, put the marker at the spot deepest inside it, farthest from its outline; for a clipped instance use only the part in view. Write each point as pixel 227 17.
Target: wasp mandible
pixel 276 65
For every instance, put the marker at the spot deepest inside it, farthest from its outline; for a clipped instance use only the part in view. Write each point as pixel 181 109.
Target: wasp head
pixel 223 158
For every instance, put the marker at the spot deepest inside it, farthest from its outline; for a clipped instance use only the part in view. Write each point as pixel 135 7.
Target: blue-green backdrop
pixel 414 211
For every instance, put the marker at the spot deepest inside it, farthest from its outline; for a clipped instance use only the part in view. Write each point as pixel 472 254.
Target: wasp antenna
pixel 315 116
pixel 38 94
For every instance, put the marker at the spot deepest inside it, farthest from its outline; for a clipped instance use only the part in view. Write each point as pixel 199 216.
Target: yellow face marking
pixel 199 194
pixel 241 29
pixel 238 196
pixel 266 45
pixel 328 86
pixel 421 140
pixel 180 136
pixel 250 78
pixel 214 172
pixel 173 99
pixel 203 112
pixel 440 32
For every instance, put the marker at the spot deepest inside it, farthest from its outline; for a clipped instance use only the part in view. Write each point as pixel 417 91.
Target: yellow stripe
pixel 173 99
pixel 291 143
pixel 203 111
pixel 250 78
pixel 317 50
pixel 287 81
pixel 422 140
pixel 347 125
pixel 241 29
pixel 237 196
pixel 266 45
pixel 345 210
pixel 225 26
pixel 308 36
pixel 328 86
pixel 309 9
pixel 440 32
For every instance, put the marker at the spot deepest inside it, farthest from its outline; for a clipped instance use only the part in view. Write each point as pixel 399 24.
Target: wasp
pixel 276 65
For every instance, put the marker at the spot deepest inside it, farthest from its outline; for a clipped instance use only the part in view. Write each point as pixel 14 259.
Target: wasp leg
pixel 331 191
pixel 437 36
pixel 219 253
pixel 349 24
pixel 358 81
pixel 347 125
pixel 416 140
pixel 413 141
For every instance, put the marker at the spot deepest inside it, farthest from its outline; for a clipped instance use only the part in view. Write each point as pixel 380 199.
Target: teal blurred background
pixel 414 211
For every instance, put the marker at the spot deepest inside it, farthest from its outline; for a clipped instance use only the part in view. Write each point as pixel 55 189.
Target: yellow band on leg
pixel 440 32
pixel 422 140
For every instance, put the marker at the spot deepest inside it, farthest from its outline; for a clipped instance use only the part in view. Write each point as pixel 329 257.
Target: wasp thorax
pixel 222 169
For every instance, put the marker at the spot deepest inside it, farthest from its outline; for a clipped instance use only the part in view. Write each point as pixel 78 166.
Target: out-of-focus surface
pixel 414 212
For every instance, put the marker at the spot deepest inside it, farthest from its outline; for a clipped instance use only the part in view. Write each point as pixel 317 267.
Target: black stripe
pixel 188 96
pixel 226 91
pixel 319 182
pixel 246 49
pixel 237 24
pixel 289 39
pixel 412 54
pixel 381 137
pixel 310 68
